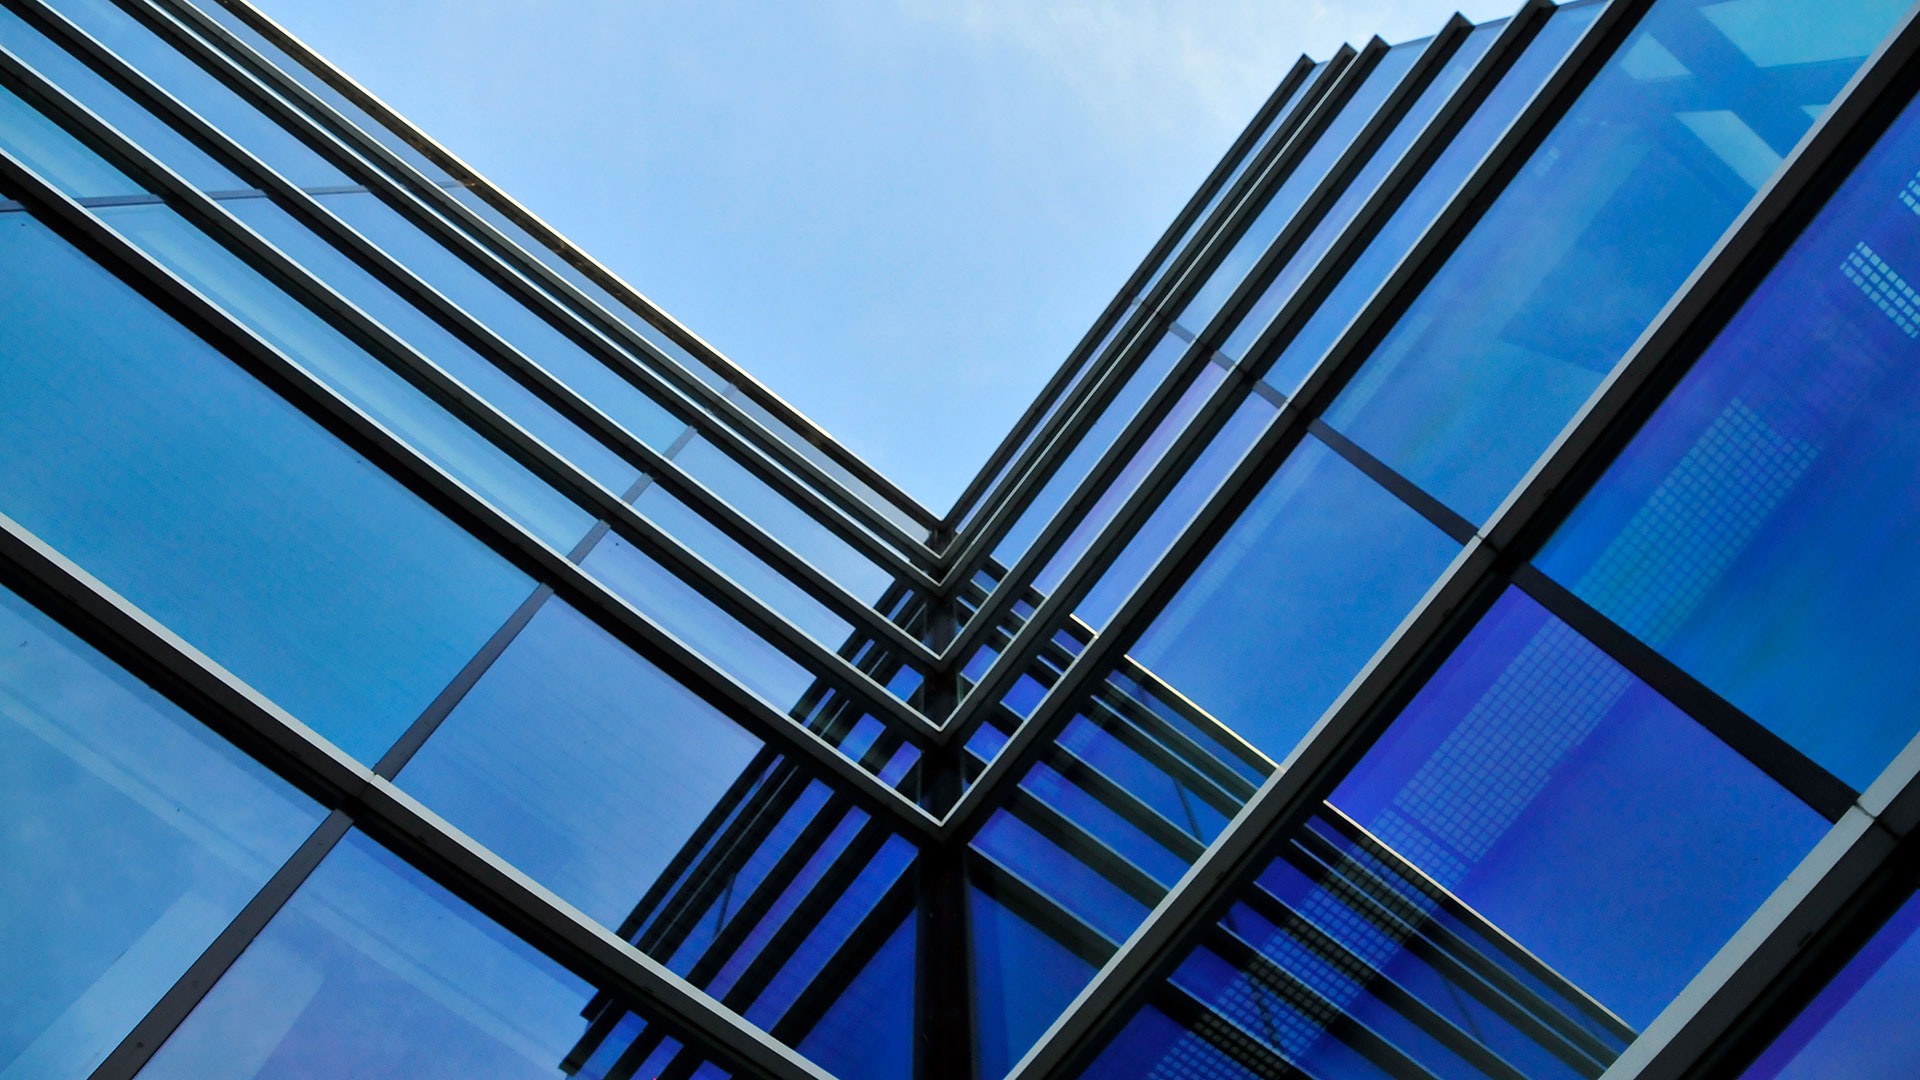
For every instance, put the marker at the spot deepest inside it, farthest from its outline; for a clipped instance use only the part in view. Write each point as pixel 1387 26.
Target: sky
pixel 900 215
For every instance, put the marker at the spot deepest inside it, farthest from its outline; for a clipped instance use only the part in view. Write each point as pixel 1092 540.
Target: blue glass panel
pixel 1113 418
pixel 868 1033
pixel 435 342
pixel 515 323
pixel 91 89
pixel 372 970
pixel 1292 1028
pixel 699 622
pixel 42 146
pixel 800 444
pixel 1146 781
pixel 326 353
pixel 580 763
pixel 746 875
pixel 1306 175
pixel 1607 217
pixel 1123 486
pixel 217 103
pixel 835 931
pixel 819 861
pixel 1422 205
pixel 1577 810
pixel 1171 517
pixel 1861 1026
pixel 133 836
pixel 1360 188
pixel 1308 583
pixel 191 489
pixel 1150 1039
pixel 781 519
pixel 1072 884
pixel 778 591
pixel 1103 823
pixel 1760 529
pixel 1022 979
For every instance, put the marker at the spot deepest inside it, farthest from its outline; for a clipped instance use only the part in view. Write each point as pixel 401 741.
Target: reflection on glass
pixel 42 146
pixel 1861 1026
pixel 1577 810
pixel 1310 580
pixel 1577 254
pixel 580 763
pixel 132 836
pixel 191 489
pixel 1794 437
pixel 372 970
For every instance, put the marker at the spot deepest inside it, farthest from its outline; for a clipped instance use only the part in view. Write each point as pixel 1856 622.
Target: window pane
pixel 1577 810
pixel 580 763
pixel 162 468
pixel 1022 979
pixel 1320 568
pixel 1582 248
pixel 133 836
pixel 372 970
pixel 1861 1026
pixel 1759 530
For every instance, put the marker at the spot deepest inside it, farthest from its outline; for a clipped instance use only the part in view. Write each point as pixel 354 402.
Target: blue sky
pixel 898 214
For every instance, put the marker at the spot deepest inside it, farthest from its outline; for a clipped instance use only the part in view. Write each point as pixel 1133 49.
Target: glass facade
pixel 1449 619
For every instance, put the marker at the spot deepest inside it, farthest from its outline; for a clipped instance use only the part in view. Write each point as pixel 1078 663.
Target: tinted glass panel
pixel 162 468
pixel 1861 1026
pixel 1760 529
pixel 133 836
pixel 372 970
pixel 580 763
pixel 1577 810
pixel 1582 248
pixel 1311 579
pixel 1022 978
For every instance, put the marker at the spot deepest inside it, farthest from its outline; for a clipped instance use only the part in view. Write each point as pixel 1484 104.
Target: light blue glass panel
pixel 1423 204
pixel 309 340
pixel 686 614
pixel 199 90
pixel 165 470
pixel 1306 175
pixel 1605 219
pixel 1760 530
pixel 42 146
pixel 435 342
pixel 110 104
pixel 1861 1026
pixel 515 323
pixel 132 836
pixel 781 519
pixel 1171 517
pixel 1361 188
pixel 371 970
pixel 1577 810
pixel 1308 583
pixel 580 763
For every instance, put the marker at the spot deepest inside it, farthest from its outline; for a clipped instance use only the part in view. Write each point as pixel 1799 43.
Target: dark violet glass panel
pixel 1361 188
pixel 371 970
pixel 1606 218
pixel 1423 204
pixel 1308 583
pixel 173 72
pixel 680 608
pixel 677 520
pixel 105 100
pixel 1307 174
pixel 867 1032
pixel 1760 530
pixel 580 763
pixel 1110 502
pixel 132 836
pixel 1861 1026
pixel 1577 810
pixel 781 519
pixel 215 506
pixel 1022 979
pixel 1099 435
pixel 515 323
pixel 1171 517
pixel 1254 150
pixel 435 342
pixel 330 356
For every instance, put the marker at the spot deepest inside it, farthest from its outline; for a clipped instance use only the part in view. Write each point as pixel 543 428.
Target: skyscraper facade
pixel 1452 617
